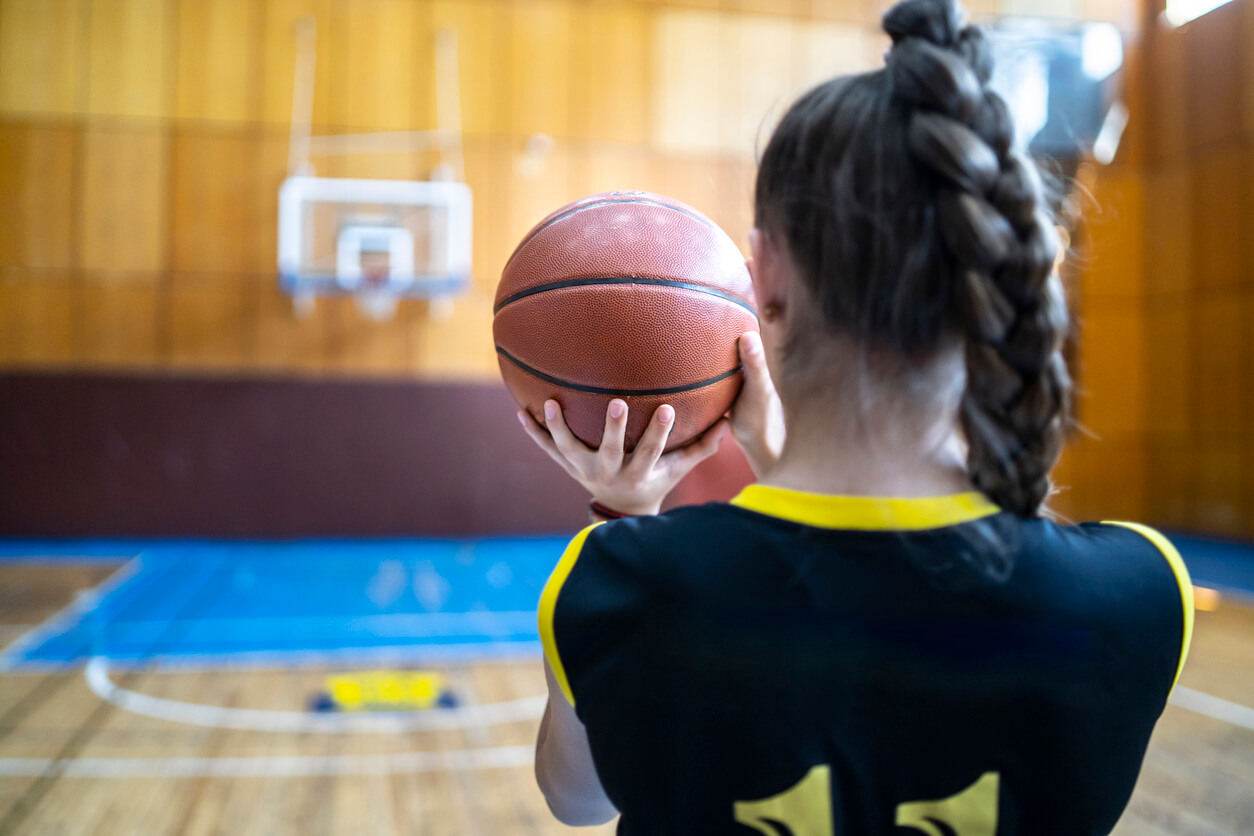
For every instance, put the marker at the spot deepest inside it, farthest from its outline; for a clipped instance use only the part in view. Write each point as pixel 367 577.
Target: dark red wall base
pixel 89 455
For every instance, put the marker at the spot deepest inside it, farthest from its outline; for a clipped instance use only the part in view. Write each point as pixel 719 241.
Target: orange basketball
pixel 629 295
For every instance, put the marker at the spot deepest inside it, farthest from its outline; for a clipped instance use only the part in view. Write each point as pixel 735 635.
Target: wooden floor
pixel 1198 777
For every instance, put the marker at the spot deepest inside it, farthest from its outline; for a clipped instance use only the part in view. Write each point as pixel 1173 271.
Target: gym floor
pixel 166 688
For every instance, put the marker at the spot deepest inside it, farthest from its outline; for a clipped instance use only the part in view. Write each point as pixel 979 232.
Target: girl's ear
pixel 767 266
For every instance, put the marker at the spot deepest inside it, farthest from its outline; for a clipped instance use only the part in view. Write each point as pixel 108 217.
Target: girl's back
pixel 848 648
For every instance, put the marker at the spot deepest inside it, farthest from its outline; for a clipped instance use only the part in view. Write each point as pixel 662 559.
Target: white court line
pixel 83 603
pixel 292 766
pixel 1214 707
pixel 303 722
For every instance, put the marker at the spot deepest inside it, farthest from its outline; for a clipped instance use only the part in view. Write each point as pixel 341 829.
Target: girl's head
pixel 910 231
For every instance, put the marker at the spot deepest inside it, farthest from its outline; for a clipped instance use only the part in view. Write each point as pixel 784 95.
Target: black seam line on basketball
pixel 617 280
pixel 605 202
pixel 618 393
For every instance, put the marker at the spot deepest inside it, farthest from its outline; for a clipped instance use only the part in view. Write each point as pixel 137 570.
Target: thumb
pixel 753 359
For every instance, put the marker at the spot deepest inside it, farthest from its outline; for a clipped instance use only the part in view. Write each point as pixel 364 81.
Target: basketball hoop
pixel 374 240
pixel 375 295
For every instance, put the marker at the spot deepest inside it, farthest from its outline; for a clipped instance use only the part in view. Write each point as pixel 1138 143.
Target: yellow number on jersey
pixel 805 809
pixel 972 812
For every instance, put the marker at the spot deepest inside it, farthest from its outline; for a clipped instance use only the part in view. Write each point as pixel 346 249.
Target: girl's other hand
pixel 757 417
pixel 630 483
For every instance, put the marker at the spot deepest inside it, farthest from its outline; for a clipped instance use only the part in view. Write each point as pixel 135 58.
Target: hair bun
pixel 936 21
pixel 928 76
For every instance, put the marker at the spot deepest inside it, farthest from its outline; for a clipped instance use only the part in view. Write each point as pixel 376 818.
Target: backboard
pixel 378 240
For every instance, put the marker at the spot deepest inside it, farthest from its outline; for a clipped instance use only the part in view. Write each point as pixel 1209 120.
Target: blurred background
pixel 143 142
pixel 179 434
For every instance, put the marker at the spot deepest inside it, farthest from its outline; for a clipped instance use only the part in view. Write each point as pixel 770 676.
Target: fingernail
pixel 753 343
pixel 522 417
pixel 617 408
pixel 665 414
pixel 550 410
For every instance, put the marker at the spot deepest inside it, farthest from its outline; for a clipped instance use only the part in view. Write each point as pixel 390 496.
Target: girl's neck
pixel 881 448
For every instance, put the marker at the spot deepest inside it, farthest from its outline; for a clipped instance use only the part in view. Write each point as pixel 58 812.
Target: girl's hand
pixel 629 483
pixel 757 417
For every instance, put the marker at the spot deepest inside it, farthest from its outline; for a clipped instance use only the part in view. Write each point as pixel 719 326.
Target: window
pixel 1180 12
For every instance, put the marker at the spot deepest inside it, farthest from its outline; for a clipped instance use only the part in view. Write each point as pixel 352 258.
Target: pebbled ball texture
pixel 630 295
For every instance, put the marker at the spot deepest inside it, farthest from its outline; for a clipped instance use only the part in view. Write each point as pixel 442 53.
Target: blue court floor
pixel 216 604
pixel 393 601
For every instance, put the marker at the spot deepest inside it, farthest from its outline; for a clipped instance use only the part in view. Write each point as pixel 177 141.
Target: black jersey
pixel 803 664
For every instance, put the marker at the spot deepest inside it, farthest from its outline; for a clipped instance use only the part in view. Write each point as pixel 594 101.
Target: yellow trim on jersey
pixel 1182 580
pixel 548 606
pixel 866 513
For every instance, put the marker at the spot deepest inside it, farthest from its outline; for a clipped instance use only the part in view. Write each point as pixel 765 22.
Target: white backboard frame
pixel 298 278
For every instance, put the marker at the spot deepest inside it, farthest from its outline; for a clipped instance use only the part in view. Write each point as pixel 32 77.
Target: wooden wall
pixel 1166 301
pixel 142 143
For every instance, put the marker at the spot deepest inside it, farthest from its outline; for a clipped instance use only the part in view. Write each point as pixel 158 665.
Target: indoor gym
pixel 272 538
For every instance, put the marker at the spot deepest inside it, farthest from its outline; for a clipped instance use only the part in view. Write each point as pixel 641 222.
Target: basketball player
pixel 883 635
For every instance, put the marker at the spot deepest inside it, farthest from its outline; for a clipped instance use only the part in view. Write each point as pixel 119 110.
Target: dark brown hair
pixel 915 224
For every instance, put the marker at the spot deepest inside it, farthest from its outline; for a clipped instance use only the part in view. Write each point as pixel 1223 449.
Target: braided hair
pixel 916 224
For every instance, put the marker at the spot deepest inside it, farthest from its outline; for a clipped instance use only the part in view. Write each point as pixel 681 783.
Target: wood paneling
pixel 1169 129
pixel 610 77
pixel 735 213
pixel 1170 361
pixel 210 327
pixel 1111 401
pixel 538 86
pixel 216 201
pixel 1220 213
pixel 268 160
pixel 536 188
pixel 1215 48
pixel 1222 484
pixel 37 319
pixel 695 180
pixel 383 65
pixel 218 60
pixel 284 341
pixel 1247 56
pixel 121 323
pixel 686 77
pixel 130 52
pixel 1172 477
pixel 1116 228
pixel 1133 147
pixel 757 79
pixel 825 50
pixel 123 209
pixel 1169 228
pixel 37 195
pixel 481 49
pixel 613 168
pixel 41 44
pixel 1200 228
pixel 1223 368
pixel 488 173
pixel 278 59
pixel 458 346
pixel 358 345
pixel 1108 479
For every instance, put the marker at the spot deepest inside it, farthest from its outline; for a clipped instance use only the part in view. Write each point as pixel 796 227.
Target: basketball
pixel 626 295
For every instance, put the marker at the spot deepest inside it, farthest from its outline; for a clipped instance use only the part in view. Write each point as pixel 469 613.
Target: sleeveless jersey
pixel 797 664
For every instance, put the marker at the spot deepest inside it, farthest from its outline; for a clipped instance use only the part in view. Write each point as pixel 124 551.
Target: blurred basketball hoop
pixel 377 240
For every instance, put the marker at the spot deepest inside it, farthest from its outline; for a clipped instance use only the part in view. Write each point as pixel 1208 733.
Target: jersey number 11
pixel 805 809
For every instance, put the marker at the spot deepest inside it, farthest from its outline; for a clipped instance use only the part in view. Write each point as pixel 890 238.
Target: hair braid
pixel 991 215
